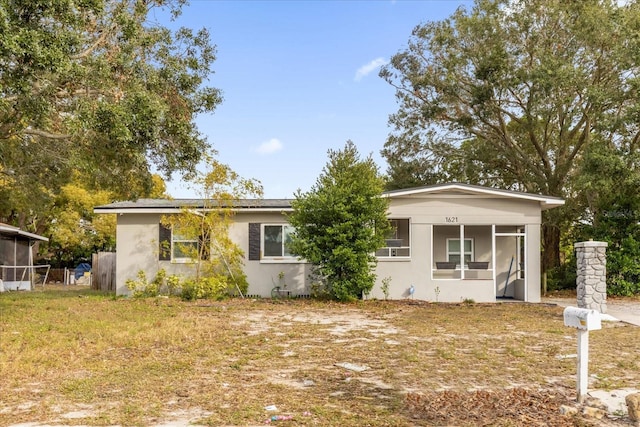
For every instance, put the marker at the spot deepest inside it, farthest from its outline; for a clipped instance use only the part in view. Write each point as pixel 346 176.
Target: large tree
pixel 511 93
pixel 96 88
pixel 341 222
pixel 609 186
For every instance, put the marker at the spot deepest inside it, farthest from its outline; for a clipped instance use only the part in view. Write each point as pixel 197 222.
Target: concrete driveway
pixel 623 310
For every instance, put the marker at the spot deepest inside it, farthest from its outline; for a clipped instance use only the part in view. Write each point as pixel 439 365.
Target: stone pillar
pixel 591 282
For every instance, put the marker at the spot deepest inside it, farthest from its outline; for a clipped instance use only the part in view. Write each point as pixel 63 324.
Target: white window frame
pixel 462 252
pixel 278 258
pixel 392 251
pixel 176 239
pixel 521 254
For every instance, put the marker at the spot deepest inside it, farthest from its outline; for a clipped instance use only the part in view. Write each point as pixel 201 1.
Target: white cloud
pixel 270 146
pixel 368 68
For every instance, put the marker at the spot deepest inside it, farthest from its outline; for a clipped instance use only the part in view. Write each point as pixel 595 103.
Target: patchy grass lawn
pixel 77 357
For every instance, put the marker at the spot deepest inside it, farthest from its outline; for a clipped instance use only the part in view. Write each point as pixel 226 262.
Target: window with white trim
pixel 276 239
pixel 453 251
pixel 183 247
pixel 398 241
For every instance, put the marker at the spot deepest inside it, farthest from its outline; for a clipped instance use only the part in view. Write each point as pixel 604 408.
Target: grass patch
pixel 139 362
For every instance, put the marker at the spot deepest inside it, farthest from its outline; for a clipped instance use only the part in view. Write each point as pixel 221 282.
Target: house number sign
pixel 451 219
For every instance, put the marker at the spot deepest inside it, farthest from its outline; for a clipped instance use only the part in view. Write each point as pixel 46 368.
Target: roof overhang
pixel 460 190
pixel 106 210
pixel 9 230
pixel 452 190
pixel 177 206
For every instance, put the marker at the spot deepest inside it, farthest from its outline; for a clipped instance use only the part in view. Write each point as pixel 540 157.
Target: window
pixel 453 250
pixel 276 240
pixel 398 242
pixel 183 248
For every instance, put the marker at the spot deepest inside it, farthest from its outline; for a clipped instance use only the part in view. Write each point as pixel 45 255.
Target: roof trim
pixel 547 202
pixel 175 206
pixel 167 211
pixel 15 231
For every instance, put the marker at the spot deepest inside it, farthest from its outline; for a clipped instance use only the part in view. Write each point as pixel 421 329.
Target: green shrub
pixel 319 288
pixel 140 287
pixel 215 287
pixel 162 284
pixel 237 282
pixel 385 287
pixel 623 268
pixel 562 277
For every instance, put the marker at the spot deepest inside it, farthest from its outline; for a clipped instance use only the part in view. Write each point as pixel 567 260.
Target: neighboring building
pixel 499 255
pixel 16 257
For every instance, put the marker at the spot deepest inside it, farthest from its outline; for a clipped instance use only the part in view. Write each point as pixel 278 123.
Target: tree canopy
pixel 608 187
pixel 341 222
pixel 512 92
pixel 96 89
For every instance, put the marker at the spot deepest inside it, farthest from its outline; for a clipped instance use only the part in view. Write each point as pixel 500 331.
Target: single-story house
pixel 16 257
pixel 449 242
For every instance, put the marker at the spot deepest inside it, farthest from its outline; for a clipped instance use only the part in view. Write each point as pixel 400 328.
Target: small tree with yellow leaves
pixel 218 261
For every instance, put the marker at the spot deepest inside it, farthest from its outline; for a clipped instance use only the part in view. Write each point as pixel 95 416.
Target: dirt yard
pixel 72 357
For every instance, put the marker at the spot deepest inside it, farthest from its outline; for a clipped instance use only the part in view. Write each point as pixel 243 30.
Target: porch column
pixel 462 251
pixel 493 261
pixel 591 282
pixel 532 274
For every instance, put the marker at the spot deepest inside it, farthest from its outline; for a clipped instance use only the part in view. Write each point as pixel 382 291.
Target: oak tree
pixel 510 94
pixel 96 88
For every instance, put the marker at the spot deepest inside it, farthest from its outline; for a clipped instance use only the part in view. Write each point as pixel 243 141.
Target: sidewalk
pixel 624 311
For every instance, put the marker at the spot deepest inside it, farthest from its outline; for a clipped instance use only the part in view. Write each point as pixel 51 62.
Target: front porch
pixel 491 263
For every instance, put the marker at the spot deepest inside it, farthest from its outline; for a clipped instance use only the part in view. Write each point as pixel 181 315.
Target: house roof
pixel 10 230
pixel 167 206
pixel 458 189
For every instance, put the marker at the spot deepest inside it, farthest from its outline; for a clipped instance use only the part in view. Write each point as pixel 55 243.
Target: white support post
pixel 462 251
pixel 525 263
pixel 583 364
pixel 493 261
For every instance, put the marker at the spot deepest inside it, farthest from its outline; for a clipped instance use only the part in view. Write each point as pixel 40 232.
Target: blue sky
pixel 299 78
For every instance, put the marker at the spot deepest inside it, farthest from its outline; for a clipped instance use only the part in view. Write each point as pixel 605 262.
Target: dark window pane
pixel 273 240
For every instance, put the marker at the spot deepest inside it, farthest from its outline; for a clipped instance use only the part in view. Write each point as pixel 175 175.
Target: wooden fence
pixel 103 271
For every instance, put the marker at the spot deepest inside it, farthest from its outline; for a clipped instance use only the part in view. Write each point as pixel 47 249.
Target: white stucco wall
pixel 137 249
pixel 477 214
pixel 263 275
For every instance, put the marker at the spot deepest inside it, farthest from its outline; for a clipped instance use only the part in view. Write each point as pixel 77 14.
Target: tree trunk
pixel 550 246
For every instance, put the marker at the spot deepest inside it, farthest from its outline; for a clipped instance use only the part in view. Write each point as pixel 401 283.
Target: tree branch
pixel 634 142
pixel 45 134
pixel 93 47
